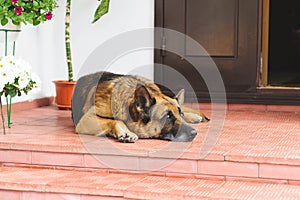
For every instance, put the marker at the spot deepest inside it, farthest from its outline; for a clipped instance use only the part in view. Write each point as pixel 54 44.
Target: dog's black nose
pixel 185 134
pixel 193 132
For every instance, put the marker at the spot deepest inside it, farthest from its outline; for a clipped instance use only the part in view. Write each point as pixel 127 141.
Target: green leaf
pixel 35 4
pixel 17 23
pixel 4 21
pixel 36 22
pixel 12 93
pixel 101 10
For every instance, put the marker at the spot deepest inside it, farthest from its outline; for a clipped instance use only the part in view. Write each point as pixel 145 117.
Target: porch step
pixel 17 183
pixel 243 146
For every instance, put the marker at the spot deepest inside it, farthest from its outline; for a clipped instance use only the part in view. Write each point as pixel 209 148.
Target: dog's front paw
pixel 128 137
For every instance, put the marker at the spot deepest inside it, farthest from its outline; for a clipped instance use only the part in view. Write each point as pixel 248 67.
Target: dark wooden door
pixel 227 29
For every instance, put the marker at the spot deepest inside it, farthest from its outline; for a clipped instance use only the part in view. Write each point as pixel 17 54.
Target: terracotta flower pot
pixel 64 93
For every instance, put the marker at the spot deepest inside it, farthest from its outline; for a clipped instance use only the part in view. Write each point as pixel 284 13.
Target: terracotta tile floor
pixel 272 137
pixel 240 154
pixel 37 183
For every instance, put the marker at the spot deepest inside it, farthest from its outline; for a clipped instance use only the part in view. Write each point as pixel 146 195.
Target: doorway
pixel 238 35
pixel 227 29
pixel 284 43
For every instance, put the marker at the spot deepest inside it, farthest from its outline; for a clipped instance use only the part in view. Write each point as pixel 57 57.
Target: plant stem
pixel 67 40
pixel 8 109
pixel 2 115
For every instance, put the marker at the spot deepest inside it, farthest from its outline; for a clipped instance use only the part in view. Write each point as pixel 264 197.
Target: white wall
pixel 43 46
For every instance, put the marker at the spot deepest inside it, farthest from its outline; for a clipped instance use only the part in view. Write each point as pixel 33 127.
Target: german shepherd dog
pixel 129 107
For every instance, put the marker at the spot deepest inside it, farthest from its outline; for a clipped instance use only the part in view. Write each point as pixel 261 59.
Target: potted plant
pixel 26 11
pixel 65 88
pixel 15 12
pixel 16 79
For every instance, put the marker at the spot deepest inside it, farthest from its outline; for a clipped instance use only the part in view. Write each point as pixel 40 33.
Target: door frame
pixel 264 80
pixel 265 42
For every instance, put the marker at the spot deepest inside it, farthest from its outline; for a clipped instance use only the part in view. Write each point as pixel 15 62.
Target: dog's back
pixel 84 93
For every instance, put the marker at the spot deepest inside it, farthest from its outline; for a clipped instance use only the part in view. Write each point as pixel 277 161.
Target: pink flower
pixel 14 1
pixel 48 16
pixel 18 10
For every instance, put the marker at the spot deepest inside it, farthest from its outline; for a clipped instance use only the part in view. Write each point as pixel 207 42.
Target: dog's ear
pixel 142 103
pixel 180 97
pixel 143 100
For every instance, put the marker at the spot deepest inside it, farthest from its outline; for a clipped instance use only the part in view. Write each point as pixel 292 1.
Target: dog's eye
pixel 180 111
pixel 169 115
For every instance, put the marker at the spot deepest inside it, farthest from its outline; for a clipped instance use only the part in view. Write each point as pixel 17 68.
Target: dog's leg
pixel 92 124
pixel 193 116
pixel 120 131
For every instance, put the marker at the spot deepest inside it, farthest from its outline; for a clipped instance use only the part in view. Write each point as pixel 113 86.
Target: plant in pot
pixel 26 11
pixel 13 13
pixel 65 88
pixel 15 78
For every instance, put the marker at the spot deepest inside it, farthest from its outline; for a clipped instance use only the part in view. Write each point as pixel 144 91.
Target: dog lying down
pixel 129 107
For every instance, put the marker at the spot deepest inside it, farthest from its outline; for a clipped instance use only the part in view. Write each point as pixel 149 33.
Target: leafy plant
pixel 67 41
pixel 15 79
pixel 26 11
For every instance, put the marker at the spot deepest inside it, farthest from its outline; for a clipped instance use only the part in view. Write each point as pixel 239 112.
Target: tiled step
pixel 40 183
pixel 249 146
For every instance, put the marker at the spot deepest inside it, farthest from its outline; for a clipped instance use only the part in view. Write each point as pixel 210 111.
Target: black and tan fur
pixel 129 107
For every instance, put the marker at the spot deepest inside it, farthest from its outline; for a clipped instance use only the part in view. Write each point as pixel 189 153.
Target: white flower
pixel 2 84
pixel 7 70
pixel 15 72
pixel 23 81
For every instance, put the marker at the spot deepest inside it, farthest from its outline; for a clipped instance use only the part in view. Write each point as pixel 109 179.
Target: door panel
pixel 227 29
pixel 215 28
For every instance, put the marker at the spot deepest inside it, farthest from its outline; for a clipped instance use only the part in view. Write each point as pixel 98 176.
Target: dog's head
pixel 154 115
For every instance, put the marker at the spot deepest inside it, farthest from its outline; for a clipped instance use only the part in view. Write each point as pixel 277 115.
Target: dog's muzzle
pixel 184 134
